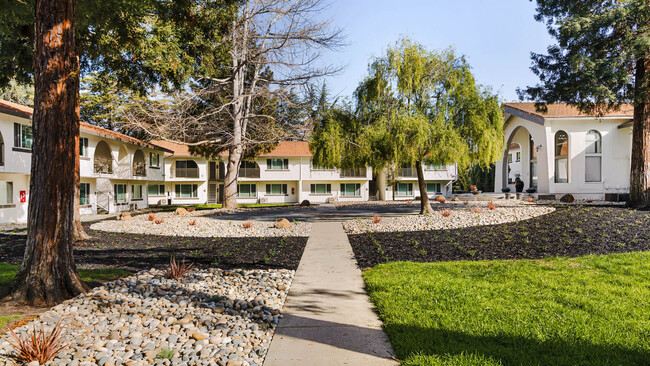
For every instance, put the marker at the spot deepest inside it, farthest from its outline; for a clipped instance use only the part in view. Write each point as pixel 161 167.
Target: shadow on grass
pixel 417 345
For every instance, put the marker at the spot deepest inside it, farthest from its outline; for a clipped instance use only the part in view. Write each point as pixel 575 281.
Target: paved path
pixel 328 319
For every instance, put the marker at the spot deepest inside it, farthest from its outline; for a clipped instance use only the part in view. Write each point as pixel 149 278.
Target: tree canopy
pixel 415 106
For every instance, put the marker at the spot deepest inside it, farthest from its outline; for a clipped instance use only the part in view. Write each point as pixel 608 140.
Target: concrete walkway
pixel 328 319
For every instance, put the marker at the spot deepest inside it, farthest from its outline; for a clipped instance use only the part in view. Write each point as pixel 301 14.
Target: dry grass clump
pixel 376 219
pixel 492 206
pixel 530 199
pixel 159 221
pixel 151 217
pixel 39 345
pixel 247 224
pixel 191 209
pixel 446 213
pixel 192 223
pixel 476 210
pixel 176 269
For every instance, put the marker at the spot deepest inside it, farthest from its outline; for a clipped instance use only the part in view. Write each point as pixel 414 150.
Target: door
pixel 213 173
pixel 212 193
pixel 220 193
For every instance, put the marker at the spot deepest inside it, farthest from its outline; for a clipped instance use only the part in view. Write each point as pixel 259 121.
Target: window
pixel 154 160
pixel 139 168
pixel 156 190
pixel 186 190
pixel 84 194
pixel 509 158
pixel 433 188
pixel 120 193
pixel 246 190
pixel 187 169
pixel 276 189
pixel 6 193
pixel 593 157
pixel 351 189
pixel 23 137
pixel 561 157
pixel 318 167
pixel 321 189
pixel 518 156
pixel 277 164
pixel 103 160
pixel 83 146
pixel 431 166
pixel 249 169
pixel 2 151
pixel 136 191
pixel 353 173
pixel 404 189
pixel 533 162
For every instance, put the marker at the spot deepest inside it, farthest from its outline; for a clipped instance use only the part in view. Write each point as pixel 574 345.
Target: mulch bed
pixel 569 231
pixel 137 252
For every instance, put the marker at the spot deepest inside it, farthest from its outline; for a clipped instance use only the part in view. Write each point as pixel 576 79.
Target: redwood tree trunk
pixel 425 205
pixel 48 274
pixel 640 166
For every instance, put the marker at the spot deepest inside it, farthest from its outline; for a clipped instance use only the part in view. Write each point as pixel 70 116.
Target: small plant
pixel 151 217
pixel 376 219
pixel 40 346
pixel 191 209
pixel 177 270
pixel 441 199
pixel 165 354
pixel 530 199
pixel 247 225
pixel 492 206
pixel 465 203
pixel 446 213
pixel 192 223
pixel 217 298
pixel 476 210
pixel 159 221
pixel 409 202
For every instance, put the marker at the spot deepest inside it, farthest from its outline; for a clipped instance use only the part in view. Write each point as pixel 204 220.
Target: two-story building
pixel 116 170
pixel 438 179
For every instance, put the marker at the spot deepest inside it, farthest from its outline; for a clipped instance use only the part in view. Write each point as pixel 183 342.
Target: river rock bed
pixel 196 224
pixel 209 317
pixel 460 215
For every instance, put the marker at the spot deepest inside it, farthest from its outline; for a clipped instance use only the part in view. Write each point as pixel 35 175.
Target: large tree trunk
pixel 640 167
pixel 425 205
pixel 48 274
pixel 230 180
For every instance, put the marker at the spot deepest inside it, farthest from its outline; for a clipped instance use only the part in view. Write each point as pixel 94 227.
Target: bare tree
pixel 275 48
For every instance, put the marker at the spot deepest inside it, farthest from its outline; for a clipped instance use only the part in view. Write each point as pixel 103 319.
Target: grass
pixel 590 310
pixel 8 271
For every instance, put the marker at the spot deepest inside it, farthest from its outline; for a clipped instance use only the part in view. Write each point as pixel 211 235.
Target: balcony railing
pixel 187 172
pixel 140 170
pixel 353 173
pixel 245 172
pixel 103 168
pixel 408 173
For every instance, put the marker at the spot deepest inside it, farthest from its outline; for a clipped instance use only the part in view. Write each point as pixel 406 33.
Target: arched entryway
pixel 103 159
pixel 520 159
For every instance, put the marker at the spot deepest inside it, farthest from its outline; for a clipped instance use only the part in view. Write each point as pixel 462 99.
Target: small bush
pixel 192 223
pixel 151 217
pixel 376 219
pixel 177 270
pixel 247 225
pixel 191 209
pixel 440 199
pixel 446 213
pixel 530 199
pixel 38 346
pixel 409 202
pixel 476 210
pixel 492 206
pixel 159 221
pixel 165 354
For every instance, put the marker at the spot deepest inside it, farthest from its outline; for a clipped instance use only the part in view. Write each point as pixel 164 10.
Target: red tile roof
pixel 563 110
pixel 15 108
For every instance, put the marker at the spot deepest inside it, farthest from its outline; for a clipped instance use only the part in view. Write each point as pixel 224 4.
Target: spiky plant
pixel 492 206
pixel 446 213
pixel 192 223
pixel 151 217
pixel 40 345
pixel 177 269
pixel 376 219
pixel 247 225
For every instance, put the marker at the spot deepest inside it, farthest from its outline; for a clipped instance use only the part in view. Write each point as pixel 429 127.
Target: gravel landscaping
pixel 209 317
pixel 197 224
pixel 568 231
pixel 460 215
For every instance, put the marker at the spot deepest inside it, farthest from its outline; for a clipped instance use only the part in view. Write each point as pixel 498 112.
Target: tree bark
pixel 425 204
pixel 640 165
pixel 48 274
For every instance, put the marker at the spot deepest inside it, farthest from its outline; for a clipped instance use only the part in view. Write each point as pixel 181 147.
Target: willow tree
pixel 415 107
pixel 602 60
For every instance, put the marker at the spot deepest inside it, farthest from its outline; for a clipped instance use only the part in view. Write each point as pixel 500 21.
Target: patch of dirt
pixel 569 231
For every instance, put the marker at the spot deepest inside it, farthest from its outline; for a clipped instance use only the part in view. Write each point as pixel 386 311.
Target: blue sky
pixel 497 37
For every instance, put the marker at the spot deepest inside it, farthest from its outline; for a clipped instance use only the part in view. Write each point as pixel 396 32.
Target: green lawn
pixel 591 310
pixel 8 271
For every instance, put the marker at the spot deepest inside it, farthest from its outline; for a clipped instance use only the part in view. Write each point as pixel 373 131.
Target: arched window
pixel 103 160
pixel 593 156
pixel 139 169
pixel 561 157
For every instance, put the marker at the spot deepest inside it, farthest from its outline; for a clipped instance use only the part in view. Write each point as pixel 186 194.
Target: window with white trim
pixel 518 156
pixel 561 157
pixel 276 189
pixel 156 190
pixel 154 160
pixel 119 191
pixel 136 192
pixel 6 193
pixel 23 137
pixel 321 188
pixel 186 190
pixel 277 164
pixel 351 189
pixel 83 147
pixel 84 194
pixel 433 188
pixel 404 189
pixel 246 190
pixel 593 157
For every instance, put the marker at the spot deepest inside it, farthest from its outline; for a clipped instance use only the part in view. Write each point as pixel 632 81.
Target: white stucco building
pixel 115 169
pixel 564 151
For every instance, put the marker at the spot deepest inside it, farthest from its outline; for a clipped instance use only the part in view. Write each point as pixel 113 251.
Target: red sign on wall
pixel 23 196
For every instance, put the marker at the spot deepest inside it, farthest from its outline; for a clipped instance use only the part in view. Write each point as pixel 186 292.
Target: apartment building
pixel 116 170
pixel 438 179
pixel 286 174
